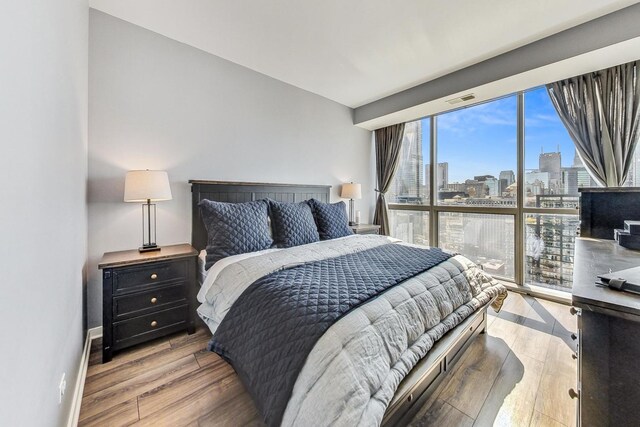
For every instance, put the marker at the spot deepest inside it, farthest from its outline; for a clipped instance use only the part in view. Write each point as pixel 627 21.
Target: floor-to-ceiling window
pixel 497 182
pixel 410 186
pixel 553 172
pixel 477 148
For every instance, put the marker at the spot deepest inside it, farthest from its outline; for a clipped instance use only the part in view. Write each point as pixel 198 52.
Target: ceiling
pixel 355 52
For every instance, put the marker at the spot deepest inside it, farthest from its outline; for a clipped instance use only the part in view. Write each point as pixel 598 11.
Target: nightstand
pixel 146 295
pixel 365 229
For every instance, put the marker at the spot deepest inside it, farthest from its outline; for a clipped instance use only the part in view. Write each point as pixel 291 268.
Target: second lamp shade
pixel 143 185
pixel 351 191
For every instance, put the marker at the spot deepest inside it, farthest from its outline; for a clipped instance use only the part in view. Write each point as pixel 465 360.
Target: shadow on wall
pixel 106 181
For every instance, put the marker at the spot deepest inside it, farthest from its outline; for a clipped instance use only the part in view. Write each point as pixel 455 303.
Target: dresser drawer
pixel 143 327
pixel 156 299
pixel 126 279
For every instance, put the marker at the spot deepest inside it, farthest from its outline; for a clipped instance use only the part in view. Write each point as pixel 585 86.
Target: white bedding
pixel 354 369
pixel 216 300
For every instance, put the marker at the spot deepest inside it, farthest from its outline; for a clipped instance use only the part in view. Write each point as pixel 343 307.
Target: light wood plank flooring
pixel 516 375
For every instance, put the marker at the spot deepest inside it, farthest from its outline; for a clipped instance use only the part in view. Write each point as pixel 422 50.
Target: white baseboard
pixel 74 412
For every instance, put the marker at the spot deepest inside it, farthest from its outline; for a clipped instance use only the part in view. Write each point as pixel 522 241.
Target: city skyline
pixel 492 126
pixel 476 166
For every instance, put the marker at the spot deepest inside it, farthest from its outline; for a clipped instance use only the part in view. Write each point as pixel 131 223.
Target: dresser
pixel 146 295
pixel 608 389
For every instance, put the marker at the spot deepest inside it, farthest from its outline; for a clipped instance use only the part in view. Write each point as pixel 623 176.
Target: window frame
pixel 518 212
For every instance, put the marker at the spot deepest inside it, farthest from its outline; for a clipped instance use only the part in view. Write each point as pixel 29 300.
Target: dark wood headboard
pixel 238 192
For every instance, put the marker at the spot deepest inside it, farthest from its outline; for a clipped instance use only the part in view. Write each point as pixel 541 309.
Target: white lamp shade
pixel 351 191
pixel 140 186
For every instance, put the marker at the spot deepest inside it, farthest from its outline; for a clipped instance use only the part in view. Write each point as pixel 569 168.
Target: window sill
pixel 539 292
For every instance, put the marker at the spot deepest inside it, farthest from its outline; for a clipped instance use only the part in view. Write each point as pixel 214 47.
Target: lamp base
pixel 149 248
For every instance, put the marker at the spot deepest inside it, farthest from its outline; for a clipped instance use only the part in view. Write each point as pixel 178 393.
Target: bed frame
pixel 416 388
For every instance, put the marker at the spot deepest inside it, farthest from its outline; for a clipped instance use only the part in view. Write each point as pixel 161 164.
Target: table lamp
pixel 147 186
pixel 351 191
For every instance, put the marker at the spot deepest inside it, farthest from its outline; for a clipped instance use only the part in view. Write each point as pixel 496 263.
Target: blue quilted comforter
pixel 270 330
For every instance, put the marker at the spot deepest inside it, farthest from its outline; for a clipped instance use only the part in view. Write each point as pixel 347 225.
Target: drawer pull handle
pixel 574 337
pixel 574 356
pixel 154 300
pixel 574 311
pixel 154 276
pixel 154 324
pixel 574 394
pixel 410 397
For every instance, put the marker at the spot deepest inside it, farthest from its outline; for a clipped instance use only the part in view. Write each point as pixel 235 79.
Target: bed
pixel 356 373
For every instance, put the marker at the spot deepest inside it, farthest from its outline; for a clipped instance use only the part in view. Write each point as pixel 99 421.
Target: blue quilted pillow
pixel 235 228
pixel 292 224
pixel 331 219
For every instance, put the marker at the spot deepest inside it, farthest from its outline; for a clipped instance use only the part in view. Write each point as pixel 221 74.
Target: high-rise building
pixel 427 179
pixel 552 164
pixel 508 176
pixel 483 178
pixel 536 183
pixel 585 179
pixel 485 239
pixel 493 186
pixel 576 177
pixel 442 175
pixel 570 180
pixel 475 188
pixel 550 242
pixel 409 184
pixel 457 187
pixel 503 185
pixel 577 161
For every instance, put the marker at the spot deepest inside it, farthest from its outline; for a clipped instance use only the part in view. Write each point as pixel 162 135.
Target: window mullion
pixel 433 182
pixel 520 189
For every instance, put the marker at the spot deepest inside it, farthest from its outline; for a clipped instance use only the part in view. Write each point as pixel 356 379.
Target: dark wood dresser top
pixel 594 257
pixel 132 257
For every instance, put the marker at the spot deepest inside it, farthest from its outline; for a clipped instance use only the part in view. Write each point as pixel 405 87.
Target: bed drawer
pixel 142 328
pixel 456 351
pixel 403 406
pixel 156 299
pixel 130 279
pixel 416 389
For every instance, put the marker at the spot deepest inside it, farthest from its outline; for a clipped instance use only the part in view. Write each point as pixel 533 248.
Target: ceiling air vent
pixel 463 98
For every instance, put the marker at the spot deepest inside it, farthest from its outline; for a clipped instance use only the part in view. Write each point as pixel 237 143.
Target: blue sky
pixel 481 140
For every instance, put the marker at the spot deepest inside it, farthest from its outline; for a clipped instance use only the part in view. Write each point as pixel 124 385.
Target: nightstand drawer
pixel 149 301
pixel 151 324
pixel 124 279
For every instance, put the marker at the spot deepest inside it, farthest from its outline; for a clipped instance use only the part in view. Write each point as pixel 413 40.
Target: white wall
pixel 43 173
pixel 156 103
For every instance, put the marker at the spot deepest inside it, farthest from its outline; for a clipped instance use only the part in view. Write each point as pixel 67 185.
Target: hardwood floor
pixel 517 374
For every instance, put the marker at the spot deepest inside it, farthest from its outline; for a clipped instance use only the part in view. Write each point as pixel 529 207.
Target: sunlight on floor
pixel 518 374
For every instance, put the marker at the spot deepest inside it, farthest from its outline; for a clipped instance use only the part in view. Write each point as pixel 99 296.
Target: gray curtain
pixel 601 112
pixel 388 144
